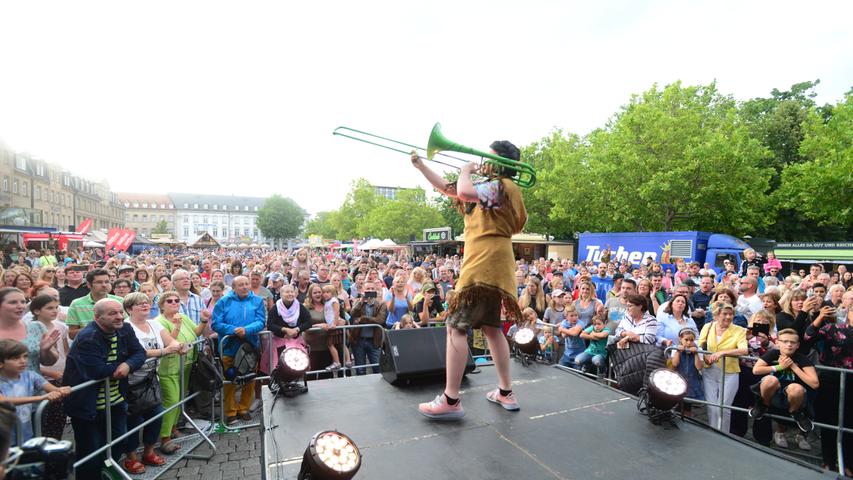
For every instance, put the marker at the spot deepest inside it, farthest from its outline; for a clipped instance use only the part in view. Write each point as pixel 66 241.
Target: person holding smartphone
pixel 760 337
pixel 367 342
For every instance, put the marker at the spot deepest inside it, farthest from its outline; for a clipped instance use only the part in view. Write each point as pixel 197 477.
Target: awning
pixel 809 255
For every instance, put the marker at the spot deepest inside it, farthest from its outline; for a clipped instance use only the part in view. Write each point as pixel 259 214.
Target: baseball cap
pixel 557 292
pixel 124 268
pixel 276 277
pixel 428 286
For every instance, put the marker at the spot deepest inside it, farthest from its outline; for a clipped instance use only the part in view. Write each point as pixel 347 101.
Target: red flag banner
pixel 113 236
pixel 126 239
pixel 84 226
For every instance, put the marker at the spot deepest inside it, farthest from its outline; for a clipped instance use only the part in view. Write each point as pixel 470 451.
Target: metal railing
pixel 843 372
pixel 108 415
pixel 222 427
pixel 345 351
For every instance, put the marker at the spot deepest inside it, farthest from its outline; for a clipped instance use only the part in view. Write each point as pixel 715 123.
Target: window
pixel 153 205
pixel 256 208
pixel 5 184
pixel 204 220
pixel 195 206
pixel 225 207
pixel 246 231
pixel 215 206
pixel 236 232
pixel 20 162
pixel 186 231
pixel 40 170
pixel 145 205
pixel 215 230
pixel 38 193
pixel 25 189
pixel 15 186
pixel 186 205
pixel 126 205
pixel 135 217
pixel 162 218
pixel 186 219
pixel 246 208
pixel 144 218
pixel 205 206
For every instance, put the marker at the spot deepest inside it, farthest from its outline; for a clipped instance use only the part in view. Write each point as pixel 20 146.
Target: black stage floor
pixel 569 427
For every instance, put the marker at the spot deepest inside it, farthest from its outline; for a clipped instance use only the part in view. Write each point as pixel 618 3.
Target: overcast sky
pixel 242 97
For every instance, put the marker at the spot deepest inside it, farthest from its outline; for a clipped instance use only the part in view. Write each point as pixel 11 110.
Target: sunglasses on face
pixel 172 300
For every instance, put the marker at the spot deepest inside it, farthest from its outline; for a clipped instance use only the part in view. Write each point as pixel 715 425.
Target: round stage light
pixel 292 364
pixel 331 455
pixel 526 341
pixel 667 389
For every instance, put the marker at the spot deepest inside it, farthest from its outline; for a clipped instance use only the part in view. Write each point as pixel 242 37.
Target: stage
pixel 569 427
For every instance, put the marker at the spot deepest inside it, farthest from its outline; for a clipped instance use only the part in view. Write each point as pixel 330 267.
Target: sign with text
pixel 437 234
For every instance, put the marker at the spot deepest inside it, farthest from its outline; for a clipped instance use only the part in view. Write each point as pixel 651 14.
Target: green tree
pixel 821 188
pixel 280 218
pixel 672 158
pixel 539 200
pixel 447 208
pixel 322 224
pixel 161 228
pixel 359 202
pixel 402 218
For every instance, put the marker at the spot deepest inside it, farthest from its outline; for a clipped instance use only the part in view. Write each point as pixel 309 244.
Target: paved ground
pixel 238 455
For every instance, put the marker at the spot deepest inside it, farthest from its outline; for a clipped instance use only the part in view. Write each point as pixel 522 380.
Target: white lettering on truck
pixel 593 253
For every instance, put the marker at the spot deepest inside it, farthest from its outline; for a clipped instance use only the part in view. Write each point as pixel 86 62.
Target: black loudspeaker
pixel 417 353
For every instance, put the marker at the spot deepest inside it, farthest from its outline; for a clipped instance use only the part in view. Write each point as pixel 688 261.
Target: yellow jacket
pixel 734 338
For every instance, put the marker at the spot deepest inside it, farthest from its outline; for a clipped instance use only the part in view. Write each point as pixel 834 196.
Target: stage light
pixel 666 389
pixel 331 455
pixel 292 364
pixel 526 341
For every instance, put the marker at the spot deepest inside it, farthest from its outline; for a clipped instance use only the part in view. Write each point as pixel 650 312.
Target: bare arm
pixel 807 375
pixel 436 180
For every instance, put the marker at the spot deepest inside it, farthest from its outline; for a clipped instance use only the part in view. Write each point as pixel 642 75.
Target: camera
pixel 42 458
pixel 369 294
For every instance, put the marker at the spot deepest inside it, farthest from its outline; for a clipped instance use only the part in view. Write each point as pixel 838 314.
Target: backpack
pixel 205 375
pixel 244 368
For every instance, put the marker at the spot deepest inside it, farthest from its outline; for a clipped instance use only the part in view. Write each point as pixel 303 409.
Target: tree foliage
pixel 672 158
pixel 161 228
pixel 821 188
pixel 364 213
pixel 280 218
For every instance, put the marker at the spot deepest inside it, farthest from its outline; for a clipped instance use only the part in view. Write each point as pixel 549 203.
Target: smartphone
pixel 369 294
pixel 760 328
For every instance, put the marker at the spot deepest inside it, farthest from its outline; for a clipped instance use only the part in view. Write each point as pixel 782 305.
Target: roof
pixel 203 240
pixel 527 238
pixel 179 199
pixel 159 199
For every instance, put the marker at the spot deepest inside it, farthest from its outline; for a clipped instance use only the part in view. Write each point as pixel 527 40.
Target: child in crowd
pixel 570 329
pixel 688 363
pixel 332 312
pixel 596 334
pixel 22 387
pixel 547 343
pixel 528 320
pixel 406 322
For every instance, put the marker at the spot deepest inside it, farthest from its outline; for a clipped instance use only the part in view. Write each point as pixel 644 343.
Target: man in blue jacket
pixel 242 314
pixel 104 348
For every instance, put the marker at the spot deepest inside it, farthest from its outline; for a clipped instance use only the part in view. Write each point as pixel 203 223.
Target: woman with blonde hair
pixel 722 340
pixel 48 274
pixel 533 297
pixel 416 280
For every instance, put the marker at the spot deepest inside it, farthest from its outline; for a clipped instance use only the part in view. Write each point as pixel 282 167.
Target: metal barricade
pixel 841 399
pixel 345 355
pixel 110 442
pixel 221 426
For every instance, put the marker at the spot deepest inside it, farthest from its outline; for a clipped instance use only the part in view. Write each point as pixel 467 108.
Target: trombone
pixel 522 173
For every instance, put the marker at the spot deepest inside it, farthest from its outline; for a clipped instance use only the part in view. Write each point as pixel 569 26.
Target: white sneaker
pixel 256 405
pixel 803 442
pixel 780 440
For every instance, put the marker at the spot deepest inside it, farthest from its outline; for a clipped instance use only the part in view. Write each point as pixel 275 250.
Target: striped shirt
pixel 115 395
pixel 82 311
pixel 646 328
pixel 193 307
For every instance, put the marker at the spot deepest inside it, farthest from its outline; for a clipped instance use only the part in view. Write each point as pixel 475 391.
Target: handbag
pixel 145 394
pixel 205 376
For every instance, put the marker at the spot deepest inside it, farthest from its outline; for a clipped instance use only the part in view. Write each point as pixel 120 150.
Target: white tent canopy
pixel 387 243
pixel 371 244
pixel 92 244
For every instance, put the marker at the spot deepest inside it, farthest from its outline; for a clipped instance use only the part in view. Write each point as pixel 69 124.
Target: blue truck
pixel 663 247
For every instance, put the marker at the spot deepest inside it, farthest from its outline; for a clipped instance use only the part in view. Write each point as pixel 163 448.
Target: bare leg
pixel 500 354
pixel 457 356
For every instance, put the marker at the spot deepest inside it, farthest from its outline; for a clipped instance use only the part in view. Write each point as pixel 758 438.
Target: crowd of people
pixel 72 317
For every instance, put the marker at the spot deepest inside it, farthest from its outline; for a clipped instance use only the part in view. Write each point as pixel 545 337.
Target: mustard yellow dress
pixel 487 278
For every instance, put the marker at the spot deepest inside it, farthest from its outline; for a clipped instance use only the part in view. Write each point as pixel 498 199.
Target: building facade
pixel 228 219
pixel 144 211
pixel 34 192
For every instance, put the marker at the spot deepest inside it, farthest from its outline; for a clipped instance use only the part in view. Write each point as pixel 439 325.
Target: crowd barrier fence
pixel 843 372
pixel 111 442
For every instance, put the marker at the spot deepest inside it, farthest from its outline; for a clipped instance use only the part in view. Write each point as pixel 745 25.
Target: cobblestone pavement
pixel 238 456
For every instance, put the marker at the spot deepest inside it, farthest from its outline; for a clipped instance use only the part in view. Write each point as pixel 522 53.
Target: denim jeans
pixel 90 435
pixel 365 352
pixel 150 433
pixel 583 357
